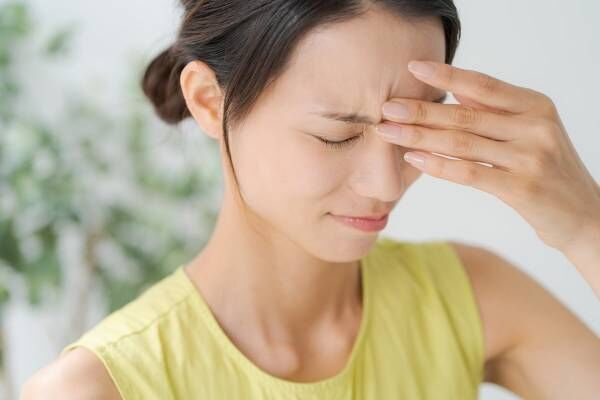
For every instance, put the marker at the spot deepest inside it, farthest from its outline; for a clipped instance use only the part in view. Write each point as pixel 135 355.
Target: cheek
pixel 303 171
pixel 277 175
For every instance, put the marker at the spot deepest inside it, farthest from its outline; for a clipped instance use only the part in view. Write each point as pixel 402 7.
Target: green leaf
pixel 14 20
pixel 10 251
pixel 43 271
pixel 46 268
pixel 59 43
pixel 65 194
pixel 4 295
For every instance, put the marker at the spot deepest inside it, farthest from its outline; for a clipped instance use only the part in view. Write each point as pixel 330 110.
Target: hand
pixel 534 166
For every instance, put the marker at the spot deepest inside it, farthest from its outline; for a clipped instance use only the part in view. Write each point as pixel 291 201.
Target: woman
pixel 293 298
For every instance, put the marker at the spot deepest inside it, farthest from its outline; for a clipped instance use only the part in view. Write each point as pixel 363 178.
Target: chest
pixel 395 361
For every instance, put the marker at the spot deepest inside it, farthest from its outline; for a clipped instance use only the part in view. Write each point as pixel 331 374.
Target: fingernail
pixel 414 158
pixel 395 110
pixel 423 69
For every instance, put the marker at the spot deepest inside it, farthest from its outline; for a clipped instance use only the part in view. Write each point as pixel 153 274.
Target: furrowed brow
pixel 354 118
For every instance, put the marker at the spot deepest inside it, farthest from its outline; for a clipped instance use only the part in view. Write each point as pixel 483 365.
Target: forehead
pixel 362 62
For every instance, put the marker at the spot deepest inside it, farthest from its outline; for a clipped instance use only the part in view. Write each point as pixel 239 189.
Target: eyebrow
pixel 354 118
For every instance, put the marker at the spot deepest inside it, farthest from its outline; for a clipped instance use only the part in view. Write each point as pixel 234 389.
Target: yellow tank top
pixel 420 337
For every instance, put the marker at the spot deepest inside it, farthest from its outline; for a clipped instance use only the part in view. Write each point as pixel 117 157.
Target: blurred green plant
pixel 138 206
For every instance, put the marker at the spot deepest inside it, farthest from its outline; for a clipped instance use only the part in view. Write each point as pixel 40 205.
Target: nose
pixel 381 171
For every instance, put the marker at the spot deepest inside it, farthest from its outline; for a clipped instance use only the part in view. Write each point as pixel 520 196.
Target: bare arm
pixel 79 374
pixel 585 255
pixel 535 346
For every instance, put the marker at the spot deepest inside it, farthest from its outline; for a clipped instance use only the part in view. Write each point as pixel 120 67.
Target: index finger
pixel 478 86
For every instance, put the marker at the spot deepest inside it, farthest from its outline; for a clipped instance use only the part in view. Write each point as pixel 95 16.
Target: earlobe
pixel 203 97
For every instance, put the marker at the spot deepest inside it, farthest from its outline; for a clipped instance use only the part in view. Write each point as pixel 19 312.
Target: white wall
pixel 549 45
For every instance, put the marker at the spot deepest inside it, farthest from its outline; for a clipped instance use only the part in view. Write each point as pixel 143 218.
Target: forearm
pixel 584 254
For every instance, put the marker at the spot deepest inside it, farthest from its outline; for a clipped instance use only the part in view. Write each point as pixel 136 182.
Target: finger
pixel 465 101
pixel 454 116
pixel 488 179
pixel 480 87
pixel 461 144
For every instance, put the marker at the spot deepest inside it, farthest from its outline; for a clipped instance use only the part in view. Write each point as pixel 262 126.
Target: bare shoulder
pixel 534 345
pixel 483 267
pixel 78 374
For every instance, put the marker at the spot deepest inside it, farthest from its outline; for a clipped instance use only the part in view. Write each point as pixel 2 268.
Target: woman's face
pixel 293 181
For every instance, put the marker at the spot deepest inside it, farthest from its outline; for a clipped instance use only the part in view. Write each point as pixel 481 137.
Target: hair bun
pixel 161 85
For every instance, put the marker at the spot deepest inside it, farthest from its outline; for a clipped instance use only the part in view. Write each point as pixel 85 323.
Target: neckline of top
pixel 254 370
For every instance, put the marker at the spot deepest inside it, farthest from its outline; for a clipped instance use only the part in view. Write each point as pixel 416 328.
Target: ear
pixel 203 97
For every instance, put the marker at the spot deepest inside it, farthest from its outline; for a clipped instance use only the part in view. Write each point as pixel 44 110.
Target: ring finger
pixel 454 143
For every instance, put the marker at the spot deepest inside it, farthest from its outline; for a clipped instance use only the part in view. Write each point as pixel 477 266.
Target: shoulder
pixel 78 374
pixel 530 336
pixel 125 346
pixel 495 282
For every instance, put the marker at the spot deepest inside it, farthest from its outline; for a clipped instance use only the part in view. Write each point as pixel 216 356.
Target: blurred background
pixel 99 199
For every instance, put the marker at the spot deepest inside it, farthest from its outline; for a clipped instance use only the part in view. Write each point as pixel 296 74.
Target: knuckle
pixel 415 136
pixel 548 148
pixel 468 175
pixel 546 100
pixel 486 84
pixel 461 144
pixel 545 104
pixel 544 132
pixel 542 128
pixel 420 112
pixel 465 116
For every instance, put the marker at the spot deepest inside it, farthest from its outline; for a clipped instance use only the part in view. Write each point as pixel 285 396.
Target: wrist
pixel 586 245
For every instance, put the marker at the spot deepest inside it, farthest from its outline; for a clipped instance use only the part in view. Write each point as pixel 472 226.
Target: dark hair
pixel 247 43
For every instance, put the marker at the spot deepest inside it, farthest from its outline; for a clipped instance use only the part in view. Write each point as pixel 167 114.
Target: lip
pixel 367 224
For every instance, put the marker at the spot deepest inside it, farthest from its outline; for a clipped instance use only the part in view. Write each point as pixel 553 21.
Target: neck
pixel 269 283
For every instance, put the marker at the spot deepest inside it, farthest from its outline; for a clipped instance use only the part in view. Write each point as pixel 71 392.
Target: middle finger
pixel 454 116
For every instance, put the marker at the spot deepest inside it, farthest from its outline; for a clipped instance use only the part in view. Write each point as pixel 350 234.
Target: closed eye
pixel 339 144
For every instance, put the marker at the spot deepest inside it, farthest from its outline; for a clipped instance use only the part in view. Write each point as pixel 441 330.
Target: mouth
pixel 367 224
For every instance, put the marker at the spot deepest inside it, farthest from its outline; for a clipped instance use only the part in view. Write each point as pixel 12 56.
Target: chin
pixel 346 247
